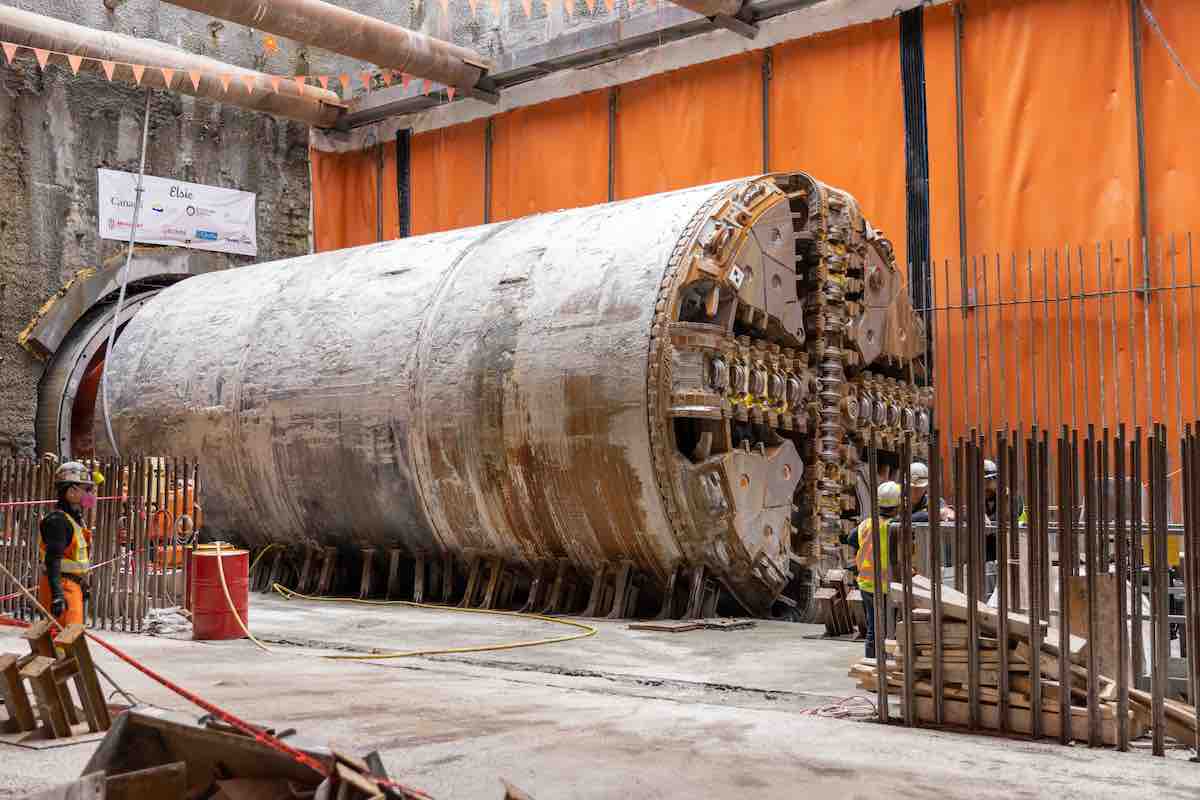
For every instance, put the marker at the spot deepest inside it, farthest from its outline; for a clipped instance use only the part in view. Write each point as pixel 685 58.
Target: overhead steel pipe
pixel 282 98
pixel 675 384
pixel 341 30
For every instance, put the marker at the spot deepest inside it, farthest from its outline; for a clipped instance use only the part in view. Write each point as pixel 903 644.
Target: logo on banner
pixel 207 236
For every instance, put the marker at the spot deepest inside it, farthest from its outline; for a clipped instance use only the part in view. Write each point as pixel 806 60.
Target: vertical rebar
pixel 1084 355
pixel 1066 552
pixel 878 596
pixel 1146 338
pixel 935 577
pixel 1133 370
pixel 1005 522
pixel 1044 528
pixel 987 346
pixel 949 377
pixel 979 406
pixel 974 471
pixel 1045 339
pixel 1158 627
pixel 1089 551
pixel 1137 534
pixel 1070 330
pixel 1033 488
pixel 956 549
pixel 1195 350
pixel 1122 545
pixel 1101 350
pixel 1020 359
pixel 1058 355
pixel 1178 434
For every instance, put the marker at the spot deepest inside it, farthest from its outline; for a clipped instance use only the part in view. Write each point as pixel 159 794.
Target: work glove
pixel 58 605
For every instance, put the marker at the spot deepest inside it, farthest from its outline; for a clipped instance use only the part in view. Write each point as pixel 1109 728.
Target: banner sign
pixel 177 213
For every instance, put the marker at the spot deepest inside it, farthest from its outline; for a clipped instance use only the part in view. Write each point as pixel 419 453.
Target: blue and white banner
pixel 177 213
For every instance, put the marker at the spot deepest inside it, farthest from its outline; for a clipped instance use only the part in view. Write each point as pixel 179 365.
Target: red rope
pixel 23 503
pixel 259 735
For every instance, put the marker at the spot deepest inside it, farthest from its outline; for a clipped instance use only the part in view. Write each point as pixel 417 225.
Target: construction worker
pixel 65 544
pixel 864 560
pixel 918 495
pixel 991 500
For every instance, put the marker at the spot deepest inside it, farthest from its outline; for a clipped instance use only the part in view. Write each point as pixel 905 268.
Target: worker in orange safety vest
pixel 864 560
pixel 64 546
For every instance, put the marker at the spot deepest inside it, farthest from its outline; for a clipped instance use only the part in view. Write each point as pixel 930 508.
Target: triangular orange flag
pixel 609 5
pixel 108 67
pixel 445 6
pixel 426 86
pixel 569 7
pixel 344 79
pixel 10 50
pixel 324 79
pixel 168 75
pixel 226 79
pixel 496 8
pixel 275 84
pixel 75 62
pixel 42 56
pixel 527 7
pixel 194 74
pixel 366 80
pixel 450 93
pixel 386 75
pixel 474 6
pixel 248 82
pixel 301 82
pixel 138 69
pixel 404 79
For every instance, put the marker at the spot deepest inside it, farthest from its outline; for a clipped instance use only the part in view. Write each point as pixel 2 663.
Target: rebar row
pixel 1054 542
pixel 144 520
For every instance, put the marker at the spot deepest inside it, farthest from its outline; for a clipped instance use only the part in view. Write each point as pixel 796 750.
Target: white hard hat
pixel 990 471
pixel 74 472
pixel 918 475
pixel 889 494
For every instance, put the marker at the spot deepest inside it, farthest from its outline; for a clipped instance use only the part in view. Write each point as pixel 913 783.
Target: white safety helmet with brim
pixel 889 495
pixel 73 472
pixel 918 475
pixel 990 471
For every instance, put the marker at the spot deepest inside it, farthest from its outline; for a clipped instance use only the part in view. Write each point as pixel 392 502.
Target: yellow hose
pixel 587 630
pixel 262 553
pixel 229 600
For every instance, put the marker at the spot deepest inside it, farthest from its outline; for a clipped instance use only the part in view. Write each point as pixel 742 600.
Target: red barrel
pixel 211 616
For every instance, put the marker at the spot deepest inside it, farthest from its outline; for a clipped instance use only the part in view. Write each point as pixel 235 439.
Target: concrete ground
pixel 623 713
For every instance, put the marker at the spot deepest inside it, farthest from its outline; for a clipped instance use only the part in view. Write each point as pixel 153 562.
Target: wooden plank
pixel 954 605
pixel 89 787
pixel 1020 720
pixel 167 781
pixel 40 674
pixel 74 641
pixel 16 699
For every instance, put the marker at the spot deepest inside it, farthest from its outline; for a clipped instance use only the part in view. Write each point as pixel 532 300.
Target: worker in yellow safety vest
pixel 64 545
pixel 864 559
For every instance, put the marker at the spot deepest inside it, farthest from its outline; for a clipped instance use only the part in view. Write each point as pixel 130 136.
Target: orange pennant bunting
pixel 404 79
pixel 248 82
pixel 426 85
pixel 275 84
pixel 108 67
pixel 527 7
pixel 474 6
pixel 386 75
pixel 569 7
pixel 609 5
pixel 445 6
pixel 344 79
pixel 168 75
pixel 42 56
pixel 138 70
pixel 194 74
pixel 450 93
pixel 366 80
pixel 10 50
pixel 75 62
pixel 496 8
pixel 324 80
pixel 301 82
pixel 226 79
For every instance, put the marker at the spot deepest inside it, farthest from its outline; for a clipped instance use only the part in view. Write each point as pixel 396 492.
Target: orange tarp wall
pixel 346 197
pixel 837 113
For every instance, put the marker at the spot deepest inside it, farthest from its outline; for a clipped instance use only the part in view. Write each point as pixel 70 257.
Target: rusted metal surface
pixel 308 104
pixel 680 382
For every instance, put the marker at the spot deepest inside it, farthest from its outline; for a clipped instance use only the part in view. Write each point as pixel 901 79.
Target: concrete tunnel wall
pixel 481 389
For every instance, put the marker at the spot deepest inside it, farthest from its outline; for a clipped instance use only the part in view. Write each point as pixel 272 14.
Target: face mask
pixel 89 500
